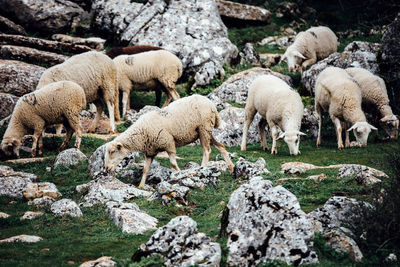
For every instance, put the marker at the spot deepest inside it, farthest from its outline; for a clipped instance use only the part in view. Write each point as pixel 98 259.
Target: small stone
pixel 100 262
pixel 38 190
pixel 246 170
pixel 43 202
pixel 66 207
pixel 4 215
pixel 22 238
pixel 318 177
pixel 363 174
pixel 30 215
pixel 168 192
pixel 391 258
pixel 69 157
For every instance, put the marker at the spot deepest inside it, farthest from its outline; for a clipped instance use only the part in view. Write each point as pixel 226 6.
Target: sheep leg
pixel 168 100
pixel 36 135
pixel 40 144
pixel 146 169
pixel 221 148
pixel 158 95
pixel 308 62
pixel 274 133
pixel 75 124
pixel 125 97
pixel 319 117
pixel 205 143
pixel 338 127
pixel 347 141
pixel 59 128
pixel 110 107
pixel 261 131
pixel 68 136
pixel 250 113
pixel 172 160
pixel 99 111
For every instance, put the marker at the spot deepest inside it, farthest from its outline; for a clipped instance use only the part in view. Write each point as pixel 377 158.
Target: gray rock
pixel 364 57
pixel 199 177
pixel 243 12
pixel 43 202
pixel 7 104
pixel 30 215
pixel 69 157
pixel 39 190
pixel 363 174
pixel 391 258
pixel 9 27
pixel 19 78
pixel 44 15
pixel 180 244
pixel 309 123
pixel 249 54
pixel 107 189
pixel 66 207
pixel 168 192
pixel 100 262
pixel 156 174
pixel 31 55
pixel 285 41
pixel 92 42
pixel 6 171
pixel 247 170
pixel 133 117
pixel 12 184
pixel 265 223
pixel 22 238
pixel 344 244
pixel 130 218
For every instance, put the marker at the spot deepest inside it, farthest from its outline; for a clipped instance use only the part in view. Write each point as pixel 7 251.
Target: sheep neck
pixel 15 129
pixel 290 123
pixel 133 139
pixel 385 110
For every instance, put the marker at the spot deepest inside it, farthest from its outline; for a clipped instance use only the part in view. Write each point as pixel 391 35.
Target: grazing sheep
pixel 147 70
pixel 309 46
pixel 280 107
pixel 58 102
pixel 178 124
pixel 375 98
pixel 96 74
pixel 339 94
pixel 130 50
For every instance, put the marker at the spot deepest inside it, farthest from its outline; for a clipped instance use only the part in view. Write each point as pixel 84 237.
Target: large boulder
pixel 389 62
pixel 243 12
pixel 19 78
pixel 44 15
pixel 7 104
pixel 356 54
pixel 180 244
pixel 193 30
pixel 266 223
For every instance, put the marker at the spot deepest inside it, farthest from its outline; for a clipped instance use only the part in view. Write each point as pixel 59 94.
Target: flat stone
pixel 243 12
pixel 38 190
pixel 30 215
pixel 4 215
pixel 22 238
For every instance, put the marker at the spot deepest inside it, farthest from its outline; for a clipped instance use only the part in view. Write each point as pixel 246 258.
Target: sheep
pixel 375 98
pixel 309 46
pixel 147 70
pixel 279 106
pixel 182 122
pixel 130 50
pixel 96 73
pixel 58 102
pixel 339 94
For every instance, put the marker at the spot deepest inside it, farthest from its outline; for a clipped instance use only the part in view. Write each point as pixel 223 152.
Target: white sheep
pixel 339 94
pixel 180 123
pixel 314 44
pixel 375 98
pixel 58 102
pixel 96 74
pixel 158 69
pixel 279 106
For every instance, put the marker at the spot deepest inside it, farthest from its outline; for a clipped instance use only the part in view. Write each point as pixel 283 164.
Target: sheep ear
pixel 297 53
pixel 373 127
pixel 14 142
pixel 352 127
pixel 301 133
pixel 282 135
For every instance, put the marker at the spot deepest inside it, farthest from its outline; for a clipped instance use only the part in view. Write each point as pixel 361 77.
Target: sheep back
pixel 320 39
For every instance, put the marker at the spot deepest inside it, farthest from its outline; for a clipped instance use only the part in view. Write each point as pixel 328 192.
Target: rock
pixel 30 215
pixel 156 174
pixel 44 15
pixel 180 244
pixel 7 104
pixel 12 184
pixel 302 167
pixel 92 42
pixel 69 157
pixel 43 202
pixel 193 30
pixel 6 171
pixel 221 165
pixel 364 57
pixel 66 207
pixel 19 78
pixel 107 189
pixel 243 12
pixel 391 258
pixel 130 218
pixel 22 238
pixel 363 174
pixel 230 132
pixel 268 59
pixel 196 177
pixel 247 170
pixel 7 26
pixel 31 55
pixel 4 215
pixel 168 192
pixel 389 62
pixel 100 262
pixel 38 190
pixel 249 54
pixel 317 177
pixel 344 244
pixel 309 123
pixel 266 223
pixel 132 118
pixel 285 42
pixel 236 87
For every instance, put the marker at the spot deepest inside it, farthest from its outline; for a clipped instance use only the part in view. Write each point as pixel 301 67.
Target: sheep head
pixel 293 58
pixel 361 131
pixel 390 124
pixel 10 146
pixel 115 152
pixel 292 139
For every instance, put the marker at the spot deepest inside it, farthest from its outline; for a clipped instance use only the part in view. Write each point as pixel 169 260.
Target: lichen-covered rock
pixel 69 157
pixel 19 78
pixel 100 262
pixel 364 57
pixel 249 54
pixel 344 244
pixel 31 55
pixel 196 177
pixel 269 59
pixel 130 218
pixel 22 238
pixel 156 174
pixel 265 223
pixel 92 42
pixel 38 190
pixel 135 116
pixel 243 12
pixel 6 171
pixel 107 189
pixel 7 104
pixel 30 215
pixel 168 192
pixel 247 170
pixel 43 202
pixel 363 174
pixel 66 207
pixel 12 184
pixel 309 123
pixel 180 244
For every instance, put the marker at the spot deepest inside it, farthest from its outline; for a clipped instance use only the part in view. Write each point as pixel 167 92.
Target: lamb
pixel 180 123
pixel 96 73
pixel 58 102
pixel 339 94
pixel 314 44
pixel 130 50
pixel 375 98
pixel 279 106
pixel 152 69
